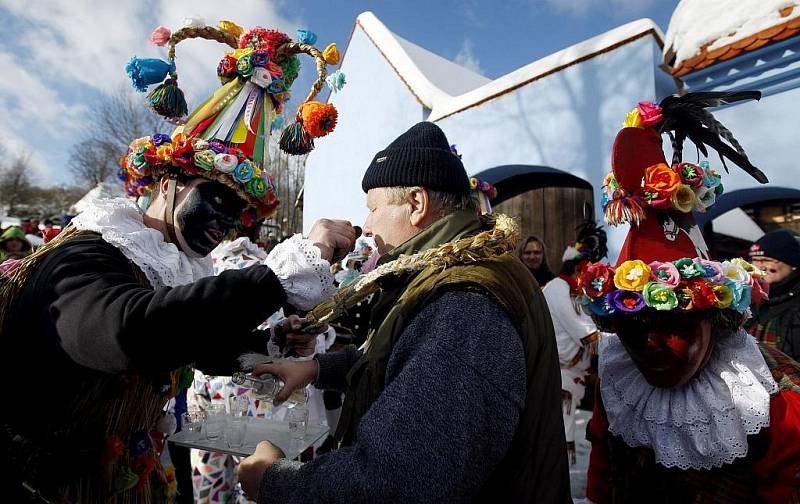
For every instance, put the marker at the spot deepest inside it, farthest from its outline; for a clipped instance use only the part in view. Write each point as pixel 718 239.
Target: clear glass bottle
pixel 267 387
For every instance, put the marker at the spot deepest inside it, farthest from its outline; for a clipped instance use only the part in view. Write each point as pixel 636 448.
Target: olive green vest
pixel 535 468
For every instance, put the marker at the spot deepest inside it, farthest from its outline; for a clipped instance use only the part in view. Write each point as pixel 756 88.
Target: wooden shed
pixel 549 203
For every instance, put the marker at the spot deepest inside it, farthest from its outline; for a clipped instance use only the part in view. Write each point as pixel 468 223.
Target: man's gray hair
pixel 442 202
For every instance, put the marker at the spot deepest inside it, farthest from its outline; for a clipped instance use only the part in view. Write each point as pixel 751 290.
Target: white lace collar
pixel 119 222
pixel 701 424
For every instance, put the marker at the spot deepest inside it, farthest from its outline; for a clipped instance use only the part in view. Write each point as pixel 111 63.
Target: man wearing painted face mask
pixel 129 293
pixel 689 407
pixel 108 318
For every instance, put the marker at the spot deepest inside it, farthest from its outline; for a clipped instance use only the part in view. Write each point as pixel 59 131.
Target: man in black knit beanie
pixel 776 321
pixel 457 396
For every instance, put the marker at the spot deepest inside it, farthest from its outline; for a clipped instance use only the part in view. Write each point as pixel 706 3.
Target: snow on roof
pixel 738 224
pixel 447 88
pixel 551 64
pixel 448 76
pixel 704 26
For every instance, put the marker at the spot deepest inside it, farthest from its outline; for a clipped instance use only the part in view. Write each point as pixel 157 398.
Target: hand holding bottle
pixel 295 375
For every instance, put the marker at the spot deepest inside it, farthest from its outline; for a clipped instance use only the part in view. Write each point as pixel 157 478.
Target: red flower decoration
pixel 597 280
pixel 650 113
pixel 227 66
pixel 262 39
pixel 183 156
pixel 143 465
pixel 151 157
pixel 702 296
pixel 690 173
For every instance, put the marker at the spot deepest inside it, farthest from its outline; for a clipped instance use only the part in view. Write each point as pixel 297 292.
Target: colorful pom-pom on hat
pixel 226 139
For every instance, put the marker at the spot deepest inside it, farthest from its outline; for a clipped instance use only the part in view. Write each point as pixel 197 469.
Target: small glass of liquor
pixel 298 422
pixel 192 421
pixel 236 432
pixel 215 421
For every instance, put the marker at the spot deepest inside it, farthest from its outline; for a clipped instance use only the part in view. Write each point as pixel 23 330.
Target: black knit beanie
pixel 781 245
pixel 419 157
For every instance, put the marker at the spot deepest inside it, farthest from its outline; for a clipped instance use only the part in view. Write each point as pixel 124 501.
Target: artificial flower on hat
pixel 664 263
pixel 226 138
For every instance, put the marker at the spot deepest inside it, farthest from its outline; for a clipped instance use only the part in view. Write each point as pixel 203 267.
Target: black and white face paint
pixel 208 214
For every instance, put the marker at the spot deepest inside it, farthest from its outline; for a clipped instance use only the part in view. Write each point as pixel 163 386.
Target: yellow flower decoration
pixel 179 139
pixel 331 54
pixel 238 53
pixel 473 183
pixel 230 27
pixel 723 295
pixel 684 199
pixel 164 152
pixel 632 275
pixel 633 119
pixel 748 267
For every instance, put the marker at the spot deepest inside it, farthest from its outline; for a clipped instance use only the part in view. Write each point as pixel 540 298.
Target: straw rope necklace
pixel 501 239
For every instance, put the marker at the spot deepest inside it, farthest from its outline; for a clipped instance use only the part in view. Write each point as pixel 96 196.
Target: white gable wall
pixel 443 73
pixel 374 108
pixel 566 120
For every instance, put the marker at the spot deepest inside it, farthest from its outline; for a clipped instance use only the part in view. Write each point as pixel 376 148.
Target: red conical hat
pixel 660 235
pixel 664 263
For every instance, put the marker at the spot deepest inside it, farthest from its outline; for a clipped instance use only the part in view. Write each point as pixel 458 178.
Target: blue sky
pixel 59 56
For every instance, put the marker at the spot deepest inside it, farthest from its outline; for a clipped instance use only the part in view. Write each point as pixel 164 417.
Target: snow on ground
pixel 577 473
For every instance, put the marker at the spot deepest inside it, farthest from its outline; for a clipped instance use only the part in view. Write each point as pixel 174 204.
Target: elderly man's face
pixel 776 270
pixel 388 223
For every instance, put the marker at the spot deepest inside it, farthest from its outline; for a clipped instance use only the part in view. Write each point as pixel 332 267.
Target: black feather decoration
pixel 594 241
pixel 686 117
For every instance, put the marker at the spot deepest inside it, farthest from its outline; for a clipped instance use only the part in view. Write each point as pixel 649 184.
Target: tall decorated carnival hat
pixel 226 138
pixel 664 264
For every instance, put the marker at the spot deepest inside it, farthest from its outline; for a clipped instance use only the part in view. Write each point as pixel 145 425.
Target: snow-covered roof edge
pixel 548 65
pixel 699 29
pixel 443 104
pixel 420 86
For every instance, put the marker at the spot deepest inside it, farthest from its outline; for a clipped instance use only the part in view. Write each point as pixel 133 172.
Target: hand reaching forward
pixel 334 238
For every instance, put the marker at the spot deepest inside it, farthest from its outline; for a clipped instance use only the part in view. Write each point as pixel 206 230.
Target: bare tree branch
pixel 118 119
pixel 15 183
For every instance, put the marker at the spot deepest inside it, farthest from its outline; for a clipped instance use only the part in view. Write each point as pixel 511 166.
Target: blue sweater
pixel 455 388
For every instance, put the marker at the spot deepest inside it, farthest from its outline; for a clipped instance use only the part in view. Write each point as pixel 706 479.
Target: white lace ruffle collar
pixel 701 424
pixel 119 222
